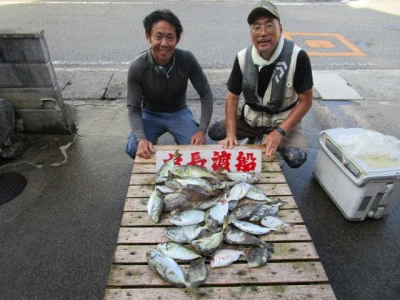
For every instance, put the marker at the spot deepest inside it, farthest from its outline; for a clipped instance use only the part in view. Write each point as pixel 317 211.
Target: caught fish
pixel 168 269
pixel 239 237
pixel 164 189
pixel 188 217
pixel 208 245
pixel 275 223
pixel 216 215
pixel 242 176
pixel 251 228
pixel 265 210
pixel 197 272
pixel 195 171
pixel 238 191
pixel 255 193
pixel 173 185
pixel 202 183
pixel 177 251
pixel 176 200
pixel 246 210
pixel 196 193
pixel 225 257
pixel 162 174
pixel 208 204
pixel 155 205
pixel 183 234
pixel 257 257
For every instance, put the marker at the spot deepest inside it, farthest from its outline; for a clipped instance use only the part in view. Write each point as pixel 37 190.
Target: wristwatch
pixel 281 130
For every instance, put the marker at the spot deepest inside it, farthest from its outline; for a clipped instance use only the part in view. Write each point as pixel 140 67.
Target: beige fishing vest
pixel 259 118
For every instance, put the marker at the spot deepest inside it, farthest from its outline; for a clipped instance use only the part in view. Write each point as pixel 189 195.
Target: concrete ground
pixel 58 236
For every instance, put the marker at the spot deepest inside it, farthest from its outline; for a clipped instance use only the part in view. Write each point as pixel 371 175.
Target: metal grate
pixel 11 185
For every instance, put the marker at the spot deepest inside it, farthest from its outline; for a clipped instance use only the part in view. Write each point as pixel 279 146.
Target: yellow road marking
pixel 325 43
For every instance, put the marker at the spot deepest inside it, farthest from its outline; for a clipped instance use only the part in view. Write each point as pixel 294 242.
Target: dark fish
pixel 196 193
pixel 257 257
pixel 238 237
pixel 197 272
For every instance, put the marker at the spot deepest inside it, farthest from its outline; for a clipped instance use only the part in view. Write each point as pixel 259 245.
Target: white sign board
pixel 231 160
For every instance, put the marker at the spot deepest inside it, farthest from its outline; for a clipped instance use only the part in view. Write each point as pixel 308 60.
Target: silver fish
pixel 238 191
pixel 239 237
pixel 202 183
pixel 208 204
pixel 155 205
pixel 177 251
pixel 188 217
pixel 195 171
pixel 183 234
pixel 251 228
pixel 164 189
pixel 257 257
pixel 162 174
pixel 255 193
pixel 242 176
pixel 225 257
pixel 167 269
pixel 216 215
pixel 275 223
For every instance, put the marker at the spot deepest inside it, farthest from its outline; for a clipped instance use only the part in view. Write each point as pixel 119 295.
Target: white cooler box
pixel 358 187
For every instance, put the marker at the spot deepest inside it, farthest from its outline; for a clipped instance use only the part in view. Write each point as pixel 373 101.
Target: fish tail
pixel 193 287
pixel 227 221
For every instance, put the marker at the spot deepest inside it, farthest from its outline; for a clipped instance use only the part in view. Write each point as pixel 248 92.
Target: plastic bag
pixel 370 144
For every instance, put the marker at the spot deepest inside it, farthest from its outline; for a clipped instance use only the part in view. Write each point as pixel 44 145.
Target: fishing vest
pixel 280 96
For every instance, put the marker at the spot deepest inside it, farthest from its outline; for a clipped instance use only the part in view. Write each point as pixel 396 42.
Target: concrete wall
pixel 28 81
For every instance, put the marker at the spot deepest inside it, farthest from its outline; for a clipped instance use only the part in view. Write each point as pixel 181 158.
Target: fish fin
pixel 193 287
pixel 227 221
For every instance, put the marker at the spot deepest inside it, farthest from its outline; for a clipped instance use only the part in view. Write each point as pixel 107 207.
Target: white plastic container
pixel 359 187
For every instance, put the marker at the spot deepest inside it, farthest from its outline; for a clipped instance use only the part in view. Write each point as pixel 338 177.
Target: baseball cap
pixel 263 8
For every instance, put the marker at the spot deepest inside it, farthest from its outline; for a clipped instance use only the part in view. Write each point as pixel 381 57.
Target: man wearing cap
pixel 275 78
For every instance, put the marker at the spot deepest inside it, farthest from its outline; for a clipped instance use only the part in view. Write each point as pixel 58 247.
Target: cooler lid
pixel 365 153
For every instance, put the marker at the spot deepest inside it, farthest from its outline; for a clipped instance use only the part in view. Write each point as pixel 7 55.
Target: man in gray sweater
pixel 157 84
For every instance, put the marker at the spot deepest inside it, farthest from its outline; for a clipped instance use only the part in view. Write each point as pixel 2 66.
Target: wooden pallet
pixel 293 272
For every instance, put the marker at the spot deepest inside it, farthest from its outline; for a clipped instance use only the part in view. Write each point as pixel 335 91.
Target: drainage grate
pixel 11 185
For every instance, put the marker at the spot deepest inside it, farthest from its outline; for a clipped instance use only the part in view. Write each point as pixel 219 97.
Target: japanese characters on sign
pixel 231 160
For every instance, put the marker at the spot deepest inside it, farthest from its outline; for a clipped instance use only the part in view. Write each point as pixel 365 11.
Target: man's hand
pixel 272 142
pixel 199 138
pixel 229 142
pixel 145 149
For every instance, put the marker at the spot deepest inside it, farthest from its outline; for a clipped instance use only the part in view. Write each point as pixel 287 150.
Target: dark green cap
pixel 263 8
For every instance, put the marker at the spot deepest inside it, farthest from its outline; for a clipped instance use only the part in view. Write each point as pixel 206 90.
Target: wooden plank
pixel 240 273
pixel 273 189
pixel 155 235
pixel 136 254
pixel 250 292
pixel 148 178
pixel 140 204
pixel 140 218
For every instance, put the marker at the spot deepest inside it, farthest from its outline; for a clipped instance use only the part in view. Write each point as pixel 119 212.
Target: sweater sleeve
pixel 135 99
pixel 201 85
